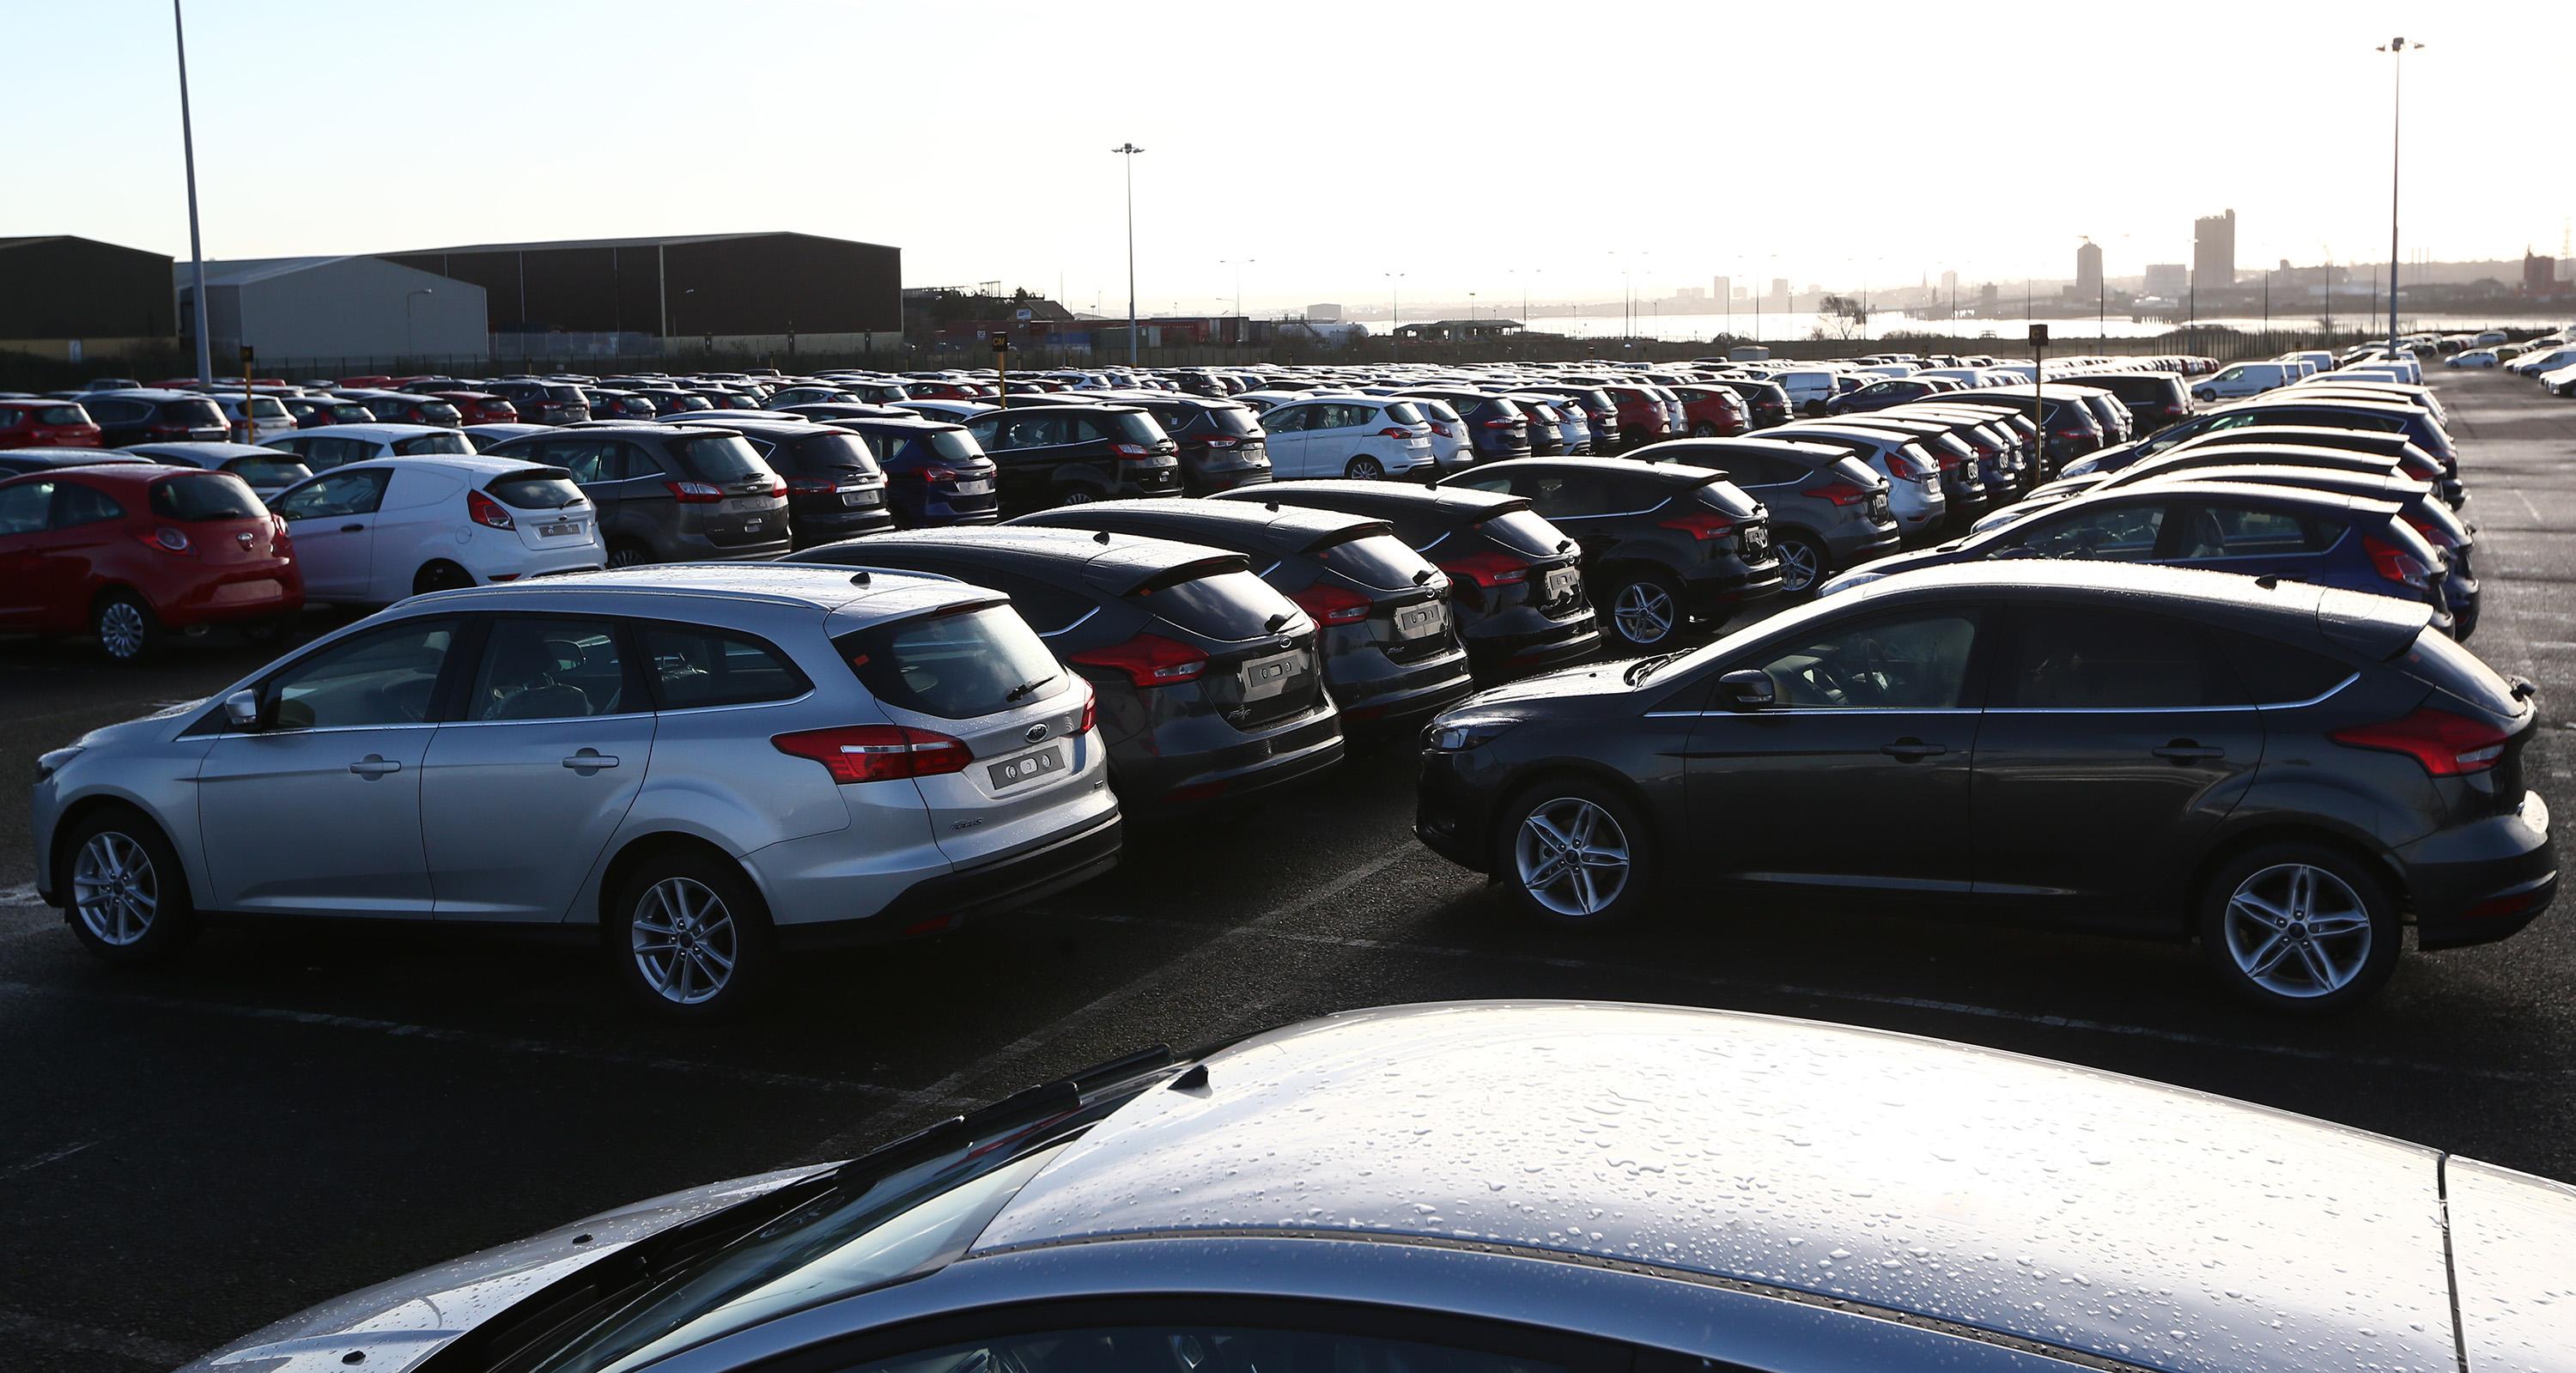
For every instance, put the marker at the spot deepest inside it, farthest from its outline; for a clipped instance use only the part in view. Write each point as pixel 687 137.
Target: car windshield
pixel 451 442
pixel 833 453
pixel 949 445
pixel 1402 412
pixel 196 414
pixel 957 666
pixel 205 496
pixel 719 458
pixel 279 471
pixel 536 489
pixel 438 412
pixel 1232 419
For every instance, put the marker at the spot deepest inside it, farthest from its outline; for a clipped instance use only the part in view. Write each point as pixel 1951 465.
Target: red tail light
pixel 1842 493
pixel 876 753
pixel 1090 710
pixel 2434 534
pixel 1700 525
pixel 1149 660
pixel 1441 429
pixel 1397 432
pixel 929 474
pixel 168 540
pixel 2447 745
pixel 279 543
pixel 2396 564
pixel 1500 424
pixel 1131 450
pixel 484 510
pixel 811 486
pixel 1333 605
pixel 1488 570
pixel 694 493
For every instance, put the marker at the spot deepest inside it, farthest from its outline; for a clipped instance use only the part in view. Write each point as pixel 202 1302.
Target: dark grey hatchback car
pixel 668 493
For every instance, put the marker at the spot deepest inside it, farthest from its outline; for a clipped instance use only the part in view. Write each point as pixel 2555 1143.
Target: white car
pixel 269 416
pixel 2542 358
pixel 371 533
pixel 267 470
pixel 338 445
pixel 1347 436
pixel 2561 382
pixel 1451 447
pixel 2474 357
pixel 2243 379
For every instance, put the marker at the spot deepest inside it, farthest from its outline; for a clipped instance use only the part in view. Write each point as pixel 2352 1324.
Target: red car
pixel 948 390
pixel 375 383
pixel 479 407
pixel 131 552
pixel 46 423
pixel 1714 412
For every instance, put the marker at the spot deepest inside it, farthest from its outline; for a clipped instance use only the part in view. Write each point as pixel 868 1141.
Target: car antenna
pixel 1101 537
pixel 1271 506
pixel 2268 581
pixel 858 579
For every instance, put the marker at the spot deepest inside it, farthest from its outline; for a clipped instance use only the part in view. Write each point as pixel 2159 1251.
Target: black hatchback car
pixel 1221 444
pixel 1391 646
pixel 2156 400
pixel 1067 454
pixel 1210 683
pixel 668 492
pixel 835 490
pixel 935 475
pixel 149 416
pixel 1663 545
pixel 2288 772
pixel 1516 581
pixel 1497 429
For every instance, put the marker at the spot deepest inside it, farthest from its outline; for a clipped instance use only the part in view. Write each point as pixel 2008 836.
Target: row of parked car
pixel 2549 359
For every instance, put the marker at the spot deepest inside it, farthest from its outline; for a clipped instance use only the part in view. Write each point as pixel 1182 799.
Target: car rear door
pixel 521 793
pixel 330 521
pixel 24 508
pixel 1289 443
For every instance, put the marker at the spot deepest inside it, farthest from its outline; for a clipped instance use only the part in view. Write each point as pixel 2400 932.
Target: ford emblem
pixel 1036 732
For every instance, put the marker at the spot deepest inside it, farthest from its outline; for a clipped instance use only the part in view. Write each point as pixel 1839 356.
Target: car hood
pixel 1597 679
pixel 398 1324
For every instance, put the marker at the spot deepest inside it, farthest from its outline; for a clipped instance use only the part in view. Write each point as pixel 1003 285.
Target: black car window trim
pixel 1973 684
pixel 2012 627
pixel 442 693
pixel 653 678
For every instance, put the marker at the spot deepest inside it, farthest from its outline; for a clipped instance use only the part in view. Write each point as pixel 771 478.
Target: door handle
pixel 589 761
pixel 2184 750
pixel 374 766
pixel 1909 749
pixel 352 528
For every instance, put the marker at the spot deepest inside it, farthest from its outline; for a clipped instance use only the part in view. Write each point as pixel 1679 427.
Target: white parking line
pixel 1915 1003
pixel 477 1039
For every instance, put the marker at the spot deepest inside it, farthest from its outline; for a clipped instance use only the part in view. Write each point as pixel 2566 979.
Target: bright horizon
pixel 1305 158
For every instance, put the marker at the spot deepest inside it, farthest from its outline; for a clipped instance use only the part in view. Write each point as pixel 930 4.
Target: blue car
pixel 2319 537
pixel 936 474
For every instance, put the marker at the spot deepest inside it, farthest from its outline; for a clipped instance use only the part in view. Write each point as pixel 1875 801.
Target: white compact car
pixel 374 532
pixel 2244 379
pixel 337 445
pixel 1450 446
pixel 1348 436
pixel 269 416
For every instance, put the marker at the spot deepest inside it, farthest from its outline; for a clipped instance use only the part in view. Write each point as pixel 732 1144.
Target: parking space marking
pixel 45 1330
pixel 1890 999
pixel 499 1043
pixel 41 1160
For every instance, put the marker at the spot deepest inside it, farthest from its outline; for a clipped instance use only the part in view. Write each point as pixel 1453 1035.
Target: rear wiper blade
pixel 1023 690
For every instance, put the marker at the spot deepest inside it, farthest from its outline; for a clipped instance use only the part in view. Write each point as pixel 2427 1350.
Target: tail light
pixel 1700 525
pixel 1441 429
pixel 1488 570
pixel 484 510
pixel 168 540
pixel 1131 450
pixel 1843 493
pixel 1223 443
pixel 876 753
pixel 2434 534
pixel 2447 745
pixel 694 493
pixel 280 543
pixel 2397 564
pixel 929 474
pixel 811 486
pixel 1499 424
pixel 1397 432
pixel 1149 660
pixel 1333 605
pixel 1090 710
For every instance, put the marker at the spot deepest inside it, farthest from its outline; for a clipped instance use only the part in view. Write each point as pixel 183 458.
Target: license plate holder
pixel 559 529
pixel 978 487
pixel 1264 678
pixel 1421 621
pixel 1027 767
pixel 1561 583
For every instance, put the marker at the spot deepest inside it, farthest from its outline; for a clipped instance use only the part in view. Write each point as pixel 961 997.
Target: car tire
pixel 629 553
pixel 1076 495
pixel 127 630
pixel 1704 430
pixel 1364 468
pixel 689 936
pixel 1643 611
pixel 2300 928
pixel 1805 563
pixel 1532 840
pixel 137 908
pixel 440 575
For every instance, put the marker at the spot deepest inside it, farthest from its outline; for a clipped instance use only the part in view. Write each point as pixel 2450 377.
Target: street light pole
pixel 196 246
pixel 1394 313
pixel 1129 151
pixel 2396 50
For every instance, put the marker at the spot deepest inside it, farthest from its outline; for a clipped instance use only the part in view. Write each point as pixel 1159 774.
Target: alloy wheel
pixel 115 889
pixel 1798 564
pixel 685 941
pixel 2298 931
pixel 1644 613
pixel 627 555
pixel 1078 496
pixel 121 629
pixel 1571 856
pixel 1366 469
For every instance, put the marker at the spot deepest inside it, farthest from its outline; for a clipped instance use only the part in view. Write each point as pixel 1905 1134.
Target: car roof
pixel 1110 563
pixel 55 458
pixel 838 591
pixel 1672 475
pixel 1381 499
pixel 151 393
pixel 385 433
pixel 214 451
pixel 2185 484
pixel 2122 1219
pixel 127 473
pixel 1277 531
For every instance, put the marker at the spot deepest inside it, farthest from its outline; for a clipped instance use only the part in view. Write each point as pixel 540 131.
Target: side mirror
pixel 1748 689
pixel 241 709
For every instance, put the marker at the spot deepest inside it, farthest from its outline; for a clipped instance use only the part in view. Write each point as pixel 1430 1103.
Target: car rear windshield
pixel 1231 419
pixel 1227 604
pixel 535 489
pixel 949 445
pixel 451 442
pixel 438 412
pixel 718 458
pixel 347 412
pixel 1522 531
pixel 62 414
pixel 264 408
pixel 1379 560
pixel 196 414
pixel 268 471
pixel 1135 426
pixel 956 664
pixel 2438 659
pixel 565 395
pixel 834 453
pixel 1403 412
pixel 205 496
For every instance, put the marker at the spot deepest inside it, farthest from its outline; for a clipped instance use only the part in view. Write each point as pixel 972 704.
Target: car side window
pixel 536 669
pixel 386 678
pixel 1916 663
pixel 347 493
pixel 1193 1345
pixel 2065 658
pixel 2223 531
pixel 25 507
pixel 2121 533
pixel 76 505
pixel 1077 429
pixel 1287 419
pixel 1569 495
pixel 693 666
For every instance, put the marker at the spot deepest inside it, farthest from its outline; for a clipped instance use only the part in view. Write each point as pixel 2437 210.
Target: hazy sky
pixel 1477 147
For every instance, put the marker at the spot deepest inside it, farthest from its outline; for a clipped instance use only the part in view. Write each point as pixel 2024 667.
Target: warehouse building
pixel 77 298
pixel 738 293
pixel 295 310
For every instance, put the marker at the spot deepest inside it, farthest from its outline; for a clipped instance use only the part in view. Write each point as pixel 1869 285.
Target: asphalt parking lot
pixel 189 1151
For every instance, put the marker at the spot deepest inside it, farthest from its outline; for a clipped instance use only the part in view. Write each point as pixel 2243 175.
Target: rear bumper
pixel 247 597
pixel 1563 641
pixel 1149 781
pixel 1720 587
pixel 999 883
pixel 2481 882
pixel 1418 691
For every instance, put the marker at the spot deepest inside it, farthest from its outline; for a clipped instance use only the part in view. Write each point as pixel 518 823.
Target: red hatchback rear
pixel 46 424
pixel 132 552
pixel 479 407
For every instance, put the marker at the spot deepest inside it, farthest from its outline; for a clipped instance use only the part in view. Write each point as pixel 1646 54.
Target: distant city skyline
pixel 994 165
